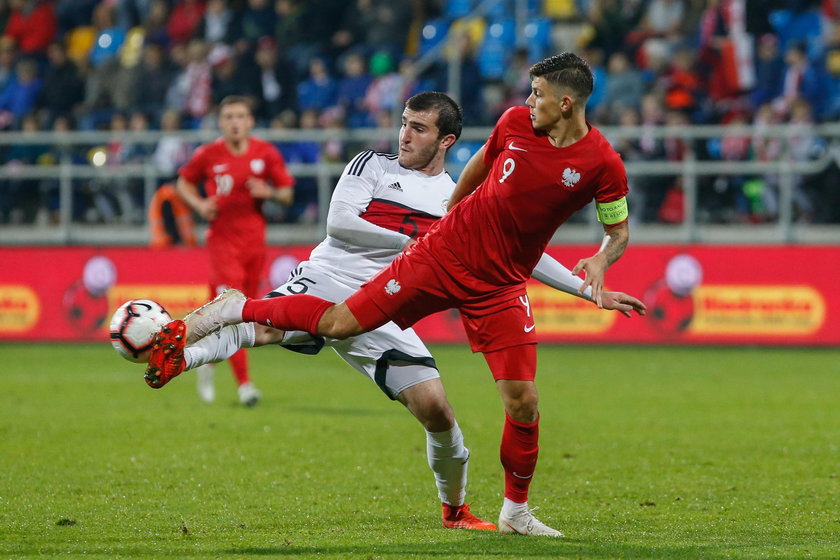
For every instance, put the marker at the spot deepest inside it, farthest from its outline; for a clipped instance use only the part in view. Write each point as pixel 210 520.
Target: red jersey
pixel 499 232
pixel 224 174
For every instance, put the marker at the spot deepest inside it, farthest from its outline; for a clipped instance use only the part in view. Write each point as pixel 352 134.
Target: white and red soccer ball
pixel 134 326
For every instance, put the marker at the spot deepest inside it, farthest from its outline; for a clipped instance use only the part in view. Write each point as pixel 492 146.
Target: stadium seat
pixel 455 9
pixel 433 32
pixel 538 37
pixel 80 42
pixel 503 30
pixel 500 10
pixel 132 48
pixel 559 9
pixel 492 58
pixel 805 27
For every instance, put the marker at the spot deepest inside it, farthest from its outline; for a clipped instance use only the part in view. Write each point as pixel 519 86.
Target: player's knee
pixel 521 401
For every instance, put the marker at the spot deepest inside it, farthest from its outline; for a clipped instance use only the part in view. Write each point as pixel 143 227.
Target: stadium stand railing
pixel 695 179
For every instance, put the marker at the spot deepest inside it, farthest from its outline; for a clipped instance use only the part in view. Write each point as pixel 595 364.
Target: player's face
pixel 546 104
pixel 419 142
pixel 236 122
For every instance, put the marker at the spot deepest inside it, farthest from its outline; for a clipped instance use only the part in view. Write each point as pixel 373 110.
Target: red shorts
pixel 409 289
pixel 234 266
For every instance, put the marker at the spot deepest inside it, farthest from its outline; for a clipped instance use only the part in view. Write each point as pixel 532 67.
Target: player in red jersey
pixel 541 163
pixel 239 173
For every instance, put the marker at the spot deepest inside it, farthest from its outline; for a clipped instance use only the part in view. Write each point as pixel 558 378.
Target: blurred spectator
pixel 219 24
pixel 351 91
pixel 378 25
pixel 8 57
pixel 155 26
pixel 109 37
pixel 384 93
pixel 800 80
pixel 595 58
pixel 171 151
pixel 71 14
pixel 19 198
pixel 318 21
pixel 18 97
pixel 185 19
pixel 803 145
pixel 472 99
pixel 612 20
pixel 831 69
pixel 191 92
pixel 131 13
pixel 305 206
pixel 289 34
pixel 276 80
pixel 259 20
pixel 625 86
pixel 663 19
pixel 228 77
pixel 154 74
pixel 318 91
pixel 63 89
pixel 32 25
pixel 769 71
pixel 682 82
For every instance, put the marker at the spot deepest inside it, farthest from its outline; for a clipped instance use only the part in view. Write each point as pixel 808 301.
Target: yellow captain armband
pixel 612 212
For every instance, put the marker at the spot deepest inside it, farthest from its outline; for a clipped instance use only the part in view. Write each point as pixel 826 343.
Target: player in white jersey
pixel 381 204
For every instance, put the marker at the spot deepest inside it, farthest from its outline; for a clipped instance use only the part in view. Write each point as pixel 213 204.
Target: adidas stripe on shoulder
pixel 357 164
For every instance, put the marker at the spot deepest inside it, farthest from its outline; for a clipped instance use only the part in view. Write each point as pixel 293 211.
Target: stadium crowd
pixel 133 65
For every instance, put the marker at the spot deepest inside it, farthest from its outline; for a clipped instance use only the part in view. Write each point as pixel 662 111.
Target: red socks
pixel 289 313
pixel 239 365
pixel 519 457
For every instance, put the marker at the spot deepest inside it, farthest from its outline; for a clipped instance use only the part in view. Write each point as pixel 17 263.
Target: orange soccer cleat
pixel 166 360
pixel 459 517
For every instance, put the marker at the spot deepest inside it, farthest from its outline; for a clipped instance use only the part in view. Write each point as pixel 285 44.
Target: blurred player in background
pixel 381 205
pixel 239 172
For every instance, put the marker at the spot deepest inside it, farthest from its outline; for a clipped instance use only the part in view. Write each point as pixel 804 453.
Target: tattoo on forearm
pixel 616 243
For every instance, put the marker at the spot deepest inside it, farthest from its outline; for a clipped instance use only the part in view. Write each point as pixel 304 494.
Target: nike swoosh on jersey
pixel 526 328
pixel 517 475
pixel 512 147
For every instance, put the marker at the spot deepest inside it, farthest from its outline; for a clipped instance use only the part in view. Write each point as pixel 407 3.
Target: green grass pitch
pixel 645 453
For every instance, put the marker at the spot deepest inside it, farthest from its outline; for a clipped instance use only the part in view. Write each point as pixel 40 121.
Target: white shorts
pixel 393 358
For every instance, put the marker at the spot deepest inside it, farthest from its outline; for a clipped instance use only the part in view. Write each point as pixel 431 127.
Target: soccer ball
pixel 134 326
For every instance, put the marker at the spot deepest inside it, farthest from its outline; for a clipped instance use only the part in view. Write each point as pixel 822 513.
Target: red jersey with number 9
pixel 225 174
pixel 499 232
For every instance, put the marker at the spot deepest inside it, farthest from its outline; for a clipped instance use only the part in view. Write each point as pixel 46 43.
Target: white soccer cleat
pixel 248 394
pixel 225 309
pixel 524 523
pixel 205 384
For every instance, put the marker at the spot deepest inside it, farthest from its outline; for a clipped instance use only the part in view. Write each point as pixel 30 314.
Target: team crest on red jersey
pixel 392 287
pixel 257 165
pixel 570 177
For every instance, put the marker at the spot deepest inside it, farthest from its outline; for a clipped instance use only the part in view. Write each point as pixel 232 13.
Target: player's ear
pixel 447 141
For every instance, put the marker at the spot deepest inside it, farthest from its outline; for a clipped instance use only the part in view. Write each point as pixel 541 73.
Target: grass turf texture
pixel 646 453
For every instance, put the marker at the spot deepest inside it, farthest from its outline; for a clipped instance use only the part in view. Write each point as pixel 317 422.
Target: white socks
pixel 512 509
pixel 449 460
pixel 219 346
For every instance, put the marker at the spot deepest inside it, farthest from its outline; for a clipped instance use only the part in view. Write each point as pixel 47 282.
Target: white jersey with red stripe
pixel 377 206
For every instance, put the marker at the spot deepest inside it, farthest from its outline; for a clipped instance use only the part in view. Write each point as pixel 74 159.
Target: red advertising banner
pixel 695 294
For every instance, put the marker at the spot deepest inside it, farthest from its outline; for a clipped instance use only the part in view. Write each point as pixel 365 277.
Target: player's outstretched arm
pixel 552 273
pixel 471 177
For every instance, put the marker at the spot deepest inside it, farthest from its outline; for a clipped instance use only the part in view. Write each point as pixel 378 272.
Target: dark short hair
pixel 450 117
pixel 565 70
pixel 235 99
